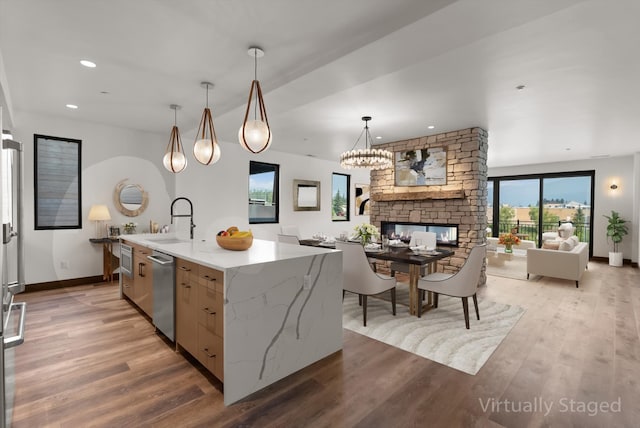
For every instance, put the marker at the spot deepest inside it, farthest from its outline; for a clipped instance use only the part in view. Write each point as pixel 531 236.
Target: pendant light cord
pixel 255 77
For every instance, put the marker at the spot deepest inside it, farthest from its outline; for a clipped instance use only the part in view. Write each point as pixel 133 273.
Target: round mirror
pixel 130 199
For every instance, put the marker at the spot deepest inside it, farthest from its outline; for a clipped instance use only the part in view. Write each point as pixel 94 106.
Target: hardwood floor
pixel 91 359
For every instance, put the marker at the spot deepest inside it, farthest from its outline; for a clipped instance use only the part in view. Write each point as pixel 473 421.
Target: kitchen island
pixel 281 303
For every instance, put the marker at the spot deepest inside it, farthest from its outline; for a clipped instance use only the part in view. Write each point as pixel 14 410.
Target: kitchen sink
pixel 168 240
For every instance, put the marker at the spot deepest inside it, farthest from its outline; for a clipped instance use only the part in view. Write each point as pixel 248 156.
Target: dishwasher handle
pixel 160 261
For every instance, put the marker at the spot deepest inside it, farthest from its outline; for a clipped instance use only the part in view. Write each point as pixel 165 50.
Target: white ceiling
pixel 407 63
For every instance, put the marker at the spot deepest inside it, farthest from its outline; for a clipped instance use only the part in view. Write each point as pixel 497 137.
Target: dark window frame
pixel 347 196
pixel 38 139
pixel 255 165
pixel 541 177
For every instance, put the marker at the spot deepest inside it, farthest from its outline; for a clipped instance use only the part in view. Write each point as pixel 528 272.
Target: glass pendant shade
pixel 206 148
pixel 174 159
pixel 366 158
pixel 253 134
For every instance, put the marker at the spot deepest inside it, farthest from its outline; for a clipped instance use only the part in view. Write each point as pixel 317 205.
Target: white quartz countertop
pixel 208 252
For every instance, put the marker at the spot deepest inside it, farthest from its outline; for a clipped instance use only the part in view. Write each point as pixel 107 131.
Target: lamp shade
pixel 99 212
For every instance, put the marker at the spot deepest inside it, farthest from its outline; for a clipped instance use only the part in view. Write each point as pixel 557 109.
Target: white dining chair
pixel 463 283
pixel 359 278
pixel 288 239
pixel 428 239
pixel 290 230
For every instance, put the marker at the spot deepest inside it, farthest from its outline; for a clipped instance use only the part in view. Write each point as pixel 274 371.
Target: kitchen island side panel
pixel 279 317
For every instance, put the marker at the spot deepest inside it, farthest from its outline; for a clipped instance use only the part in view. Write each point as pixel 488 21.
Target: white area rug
pixel 440 335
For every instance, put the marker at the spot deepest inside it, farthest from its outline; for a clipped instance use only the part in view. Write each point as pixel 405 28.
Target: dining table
pixel 401 254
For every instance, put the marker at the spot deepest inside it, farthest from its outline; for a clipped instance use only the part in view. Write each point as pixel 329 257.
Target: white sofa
pixel 558 263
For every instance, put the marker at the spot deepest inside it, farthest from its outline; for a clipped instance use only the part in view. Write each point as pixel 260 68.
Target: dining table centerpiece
pixel 366 232
pixel 508 240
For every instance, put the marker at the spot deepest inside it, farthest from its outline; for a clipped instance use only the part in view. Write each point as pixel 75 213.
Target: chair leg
pixel 527 276
pixel 360 299
pixel 475 303
pixel 393 274
pixel 576 284
pixel 364 309
pixel 374 267
pixel 465 308
pixel 343 295
pixel 393 300
pixel 435 300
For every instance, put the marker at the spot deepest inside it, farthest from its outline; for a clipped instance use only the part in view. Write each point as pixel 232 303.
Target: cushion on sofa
pixel 566 245
pixel 551 244
pixel 575 240
pixel 565 230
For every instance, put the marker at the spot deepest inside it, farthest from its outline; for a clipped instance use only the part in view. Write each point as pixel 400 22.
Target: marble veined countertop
pixel 208 252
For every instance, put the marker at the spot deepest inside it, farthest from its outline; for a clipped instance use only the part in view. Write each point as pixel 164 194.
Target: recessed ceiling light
pixel 567 148
pixel 431 126
pixel 104 92
pixel 72 106
pixel 520 87
pixel 87 63
pixel 378 137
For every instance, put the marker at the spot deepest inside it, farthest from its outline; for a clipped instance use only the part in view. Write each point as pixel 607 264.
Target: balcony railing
pixel 529 230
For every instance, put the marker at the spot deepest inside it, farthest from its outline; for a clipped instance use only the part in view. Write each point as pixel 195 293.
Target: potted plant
pixel 616 229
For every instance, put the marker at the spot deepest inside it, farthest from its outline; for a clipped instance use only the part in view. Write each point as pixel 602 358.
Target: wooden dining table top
pixel 394 254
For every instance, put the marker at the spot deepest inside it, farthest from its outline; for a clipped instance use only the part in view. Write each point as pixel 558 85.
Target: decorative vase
pixel 365 239
pixel 508 248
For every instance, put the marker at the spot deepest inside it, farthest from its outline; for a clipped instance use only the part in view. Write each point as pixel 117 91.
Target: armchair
pixel 359 278
pixel 463 283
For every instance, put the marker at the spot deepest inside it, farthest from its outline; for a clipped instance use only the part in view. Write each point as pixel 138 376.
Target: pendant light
pixel 367 158
pixel 255 135
pixel 174 159
pixel 206 148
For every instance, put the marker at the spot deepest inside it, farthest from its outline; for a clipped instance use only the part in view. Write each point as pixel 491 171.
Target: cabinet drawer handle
pixel 140 269
pixel 206 351
pixel 208 278
pixel 185 285
pixel 126 285
pixel 186 269
pixel 209 311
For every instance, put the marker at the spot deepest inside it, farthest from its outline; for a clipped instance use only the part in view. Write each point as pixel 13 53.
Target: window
pixel 340 197
pixel 57 182
pixel 514 204
pixel 264 183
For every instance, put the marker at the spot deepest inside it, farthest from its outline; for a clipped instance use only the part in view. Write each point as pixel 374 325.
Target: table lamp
pixel 99 213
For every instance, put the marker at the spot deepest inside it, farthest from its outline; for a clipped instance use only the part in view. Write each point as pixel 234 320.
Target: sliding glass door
pixel 514 203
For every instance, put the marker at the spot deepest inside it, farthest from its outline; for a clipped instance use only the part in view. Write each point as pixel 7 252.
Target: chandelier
pixel 367 158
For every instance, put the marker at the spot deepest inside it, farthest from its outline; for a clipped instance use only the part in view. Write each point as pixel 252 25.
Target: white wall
pixel 108 155
pixel 618 169
pixel 219 193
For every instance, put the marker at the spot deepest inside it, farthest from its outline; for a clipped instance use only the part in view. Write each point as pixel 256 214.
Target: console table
pixel 110 261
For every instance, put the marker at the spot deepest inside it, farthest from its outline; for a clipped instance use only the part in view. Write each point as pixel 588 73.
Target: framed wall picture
pixel 306 195
pixel 425 167
pixel 362 199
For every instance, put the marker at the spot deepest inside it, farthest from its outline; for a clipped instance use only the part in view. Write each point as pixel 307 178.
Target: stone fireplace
pixel 462 201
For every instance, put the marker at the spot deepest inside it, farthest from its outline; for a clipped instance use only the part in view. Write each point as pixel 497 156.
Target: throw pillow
pixel 550 244
pixel 575 240
pixel 566 245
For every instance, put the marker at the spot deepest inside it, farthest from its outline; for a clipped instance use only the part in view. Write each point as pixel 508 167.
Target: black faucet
pixel 190 215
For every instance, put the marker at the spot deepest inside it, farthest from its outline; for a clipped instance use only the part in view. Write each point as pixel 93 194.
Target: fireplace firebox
pixel 446 234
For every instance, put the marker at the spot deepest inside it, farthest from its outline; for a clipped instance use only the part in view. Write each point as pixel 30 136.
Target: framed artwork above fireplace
pixel 423 167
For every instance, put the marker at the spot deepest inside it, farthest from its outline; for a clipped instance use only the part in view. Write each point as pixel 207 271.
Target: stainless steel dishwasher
pixel 164 293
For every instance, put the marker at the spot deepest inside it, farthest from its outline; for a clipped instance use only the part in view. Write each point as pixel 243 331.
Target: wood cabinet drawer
pixel 210 307
pixel 211 352
pixel 211 278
